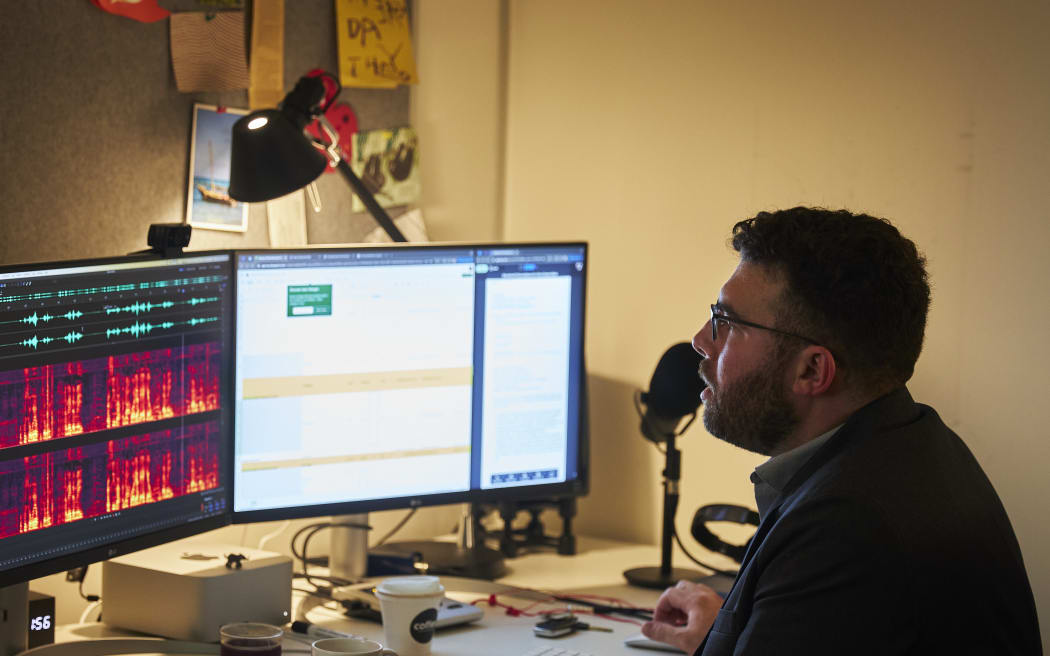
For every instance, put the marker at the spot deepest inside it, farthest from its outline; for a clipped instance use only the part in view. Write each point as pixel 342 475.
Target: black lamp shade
pixel 270 157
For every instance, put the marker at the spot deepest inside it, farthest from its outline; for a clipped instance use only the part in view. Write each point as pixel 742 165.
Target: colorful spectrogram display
pixel 60 400
pixel 111 385
pixel 66 485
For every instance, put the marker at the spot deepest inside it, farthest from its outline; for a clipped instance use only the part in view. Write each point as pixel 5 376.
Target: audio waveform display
pixel 140 307
pixel 60 400
pixel 137 330
pixel 72 484
pixel 35 318
pixel 144 307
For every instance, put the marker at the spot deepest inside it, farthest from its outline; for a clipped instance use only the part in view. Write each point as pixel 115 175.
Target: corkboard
pixel 95 136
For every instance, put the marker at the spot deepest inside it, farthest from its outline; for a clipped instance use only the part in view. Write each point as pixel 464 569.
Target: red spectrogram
pixel 73 484
pixel 60 400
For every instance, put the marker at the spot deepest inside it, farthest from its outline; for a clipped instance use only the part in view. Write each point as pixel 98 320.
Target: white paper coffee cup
pixel 409 605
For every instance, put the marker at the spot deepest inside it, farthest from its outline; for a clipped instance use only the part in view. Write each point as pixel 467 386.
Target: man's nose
pixel 702 341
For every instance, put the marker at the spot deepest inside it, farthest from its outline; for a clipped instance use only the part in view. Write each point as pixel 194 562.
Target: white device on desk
pixel 640 640
pixel 188 591
pixel 450 611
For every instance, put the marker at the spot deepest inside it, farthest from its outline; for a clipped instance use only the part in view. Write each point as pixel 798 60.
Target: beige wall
pixel 648 128
pixel 457 111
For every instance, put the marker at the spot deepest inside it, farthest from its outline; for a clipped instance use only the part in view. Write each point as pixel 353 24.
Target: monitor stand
pixel 467 557
pixel 451 559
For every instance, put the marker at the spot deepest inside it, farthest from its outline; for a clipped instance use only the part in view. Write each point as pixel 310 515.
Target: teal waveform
pixel 137 328
pixel 140 307
pixel 33 342
pixel 147 306
pixel 35 318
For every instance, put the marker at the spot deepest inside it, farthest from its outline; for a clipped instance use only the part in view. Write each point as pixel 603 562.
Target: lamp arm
pixel 378 213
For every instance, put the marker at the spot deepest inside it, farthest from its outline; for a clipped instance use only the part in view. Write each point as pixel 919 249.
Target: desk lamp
pixel 271 155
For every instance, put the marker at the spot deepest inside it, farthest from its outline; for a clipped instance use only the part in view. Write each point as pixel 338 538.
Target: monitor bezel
pixel 88 556
pixel 577 487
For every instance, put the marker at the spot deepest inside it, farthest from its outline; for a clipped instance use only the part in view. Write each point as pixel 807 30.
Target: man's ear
pixel 815 371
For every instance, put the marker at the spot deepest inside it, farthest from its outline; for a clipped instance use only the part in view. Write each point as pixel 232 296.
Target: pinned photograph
pixel 387 161
pixel 209 205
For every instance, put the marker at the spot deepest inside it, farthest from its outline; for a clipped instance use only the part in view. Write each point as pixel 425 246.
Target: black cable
pixel 400 524
pixel 302 530
pixel 723 572
pixel 312 530
pixel 306 543
pixel 80 588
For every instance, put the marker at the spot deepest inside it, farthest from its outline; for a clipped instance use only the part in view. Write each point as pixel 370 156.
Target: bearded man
pixel 879 534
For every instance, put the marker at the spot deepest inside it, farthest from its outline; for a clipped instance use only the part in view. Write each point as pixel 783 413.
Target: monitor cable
pixel 311 530
pixel 397 527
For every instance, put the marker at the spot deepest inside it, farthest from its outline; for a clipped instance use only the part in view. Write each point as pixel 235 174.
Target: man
pixel 879 533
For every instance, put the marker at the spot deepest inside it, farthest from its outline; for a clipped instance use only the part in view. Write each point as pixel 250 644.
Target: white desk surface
pixel 597 569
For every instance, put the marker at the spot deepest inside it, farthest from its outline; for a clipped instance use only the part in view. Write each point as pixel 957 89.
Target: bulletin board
pixel 95 135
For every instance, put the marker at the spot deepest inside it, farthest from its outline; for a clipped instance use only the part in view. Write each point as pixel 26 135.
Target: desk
pixel 596 569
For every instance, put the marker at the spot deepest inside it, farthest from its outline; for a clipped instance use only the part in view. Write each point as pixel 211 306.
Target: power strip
pixel 450 611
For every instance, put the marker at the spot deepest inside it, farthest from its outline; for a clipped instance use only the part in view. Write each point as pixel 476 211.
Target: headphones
pixel 722 512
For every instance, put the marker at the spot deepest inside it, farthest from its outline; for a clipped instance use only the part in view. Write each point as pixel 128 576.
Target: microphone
pixel 674 392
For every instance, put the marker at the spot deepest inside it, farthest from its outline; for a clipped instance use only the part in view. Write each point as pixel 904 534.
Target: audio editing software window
pixel 111 381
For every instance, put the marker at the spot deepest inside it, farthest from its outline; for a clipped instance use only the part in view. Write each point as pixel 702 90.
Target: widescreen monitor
pixel 380 377
pixel 114 422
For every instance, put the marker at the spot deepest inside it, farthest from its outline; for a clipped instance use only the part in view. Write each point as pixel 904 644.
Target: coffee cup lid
pixel 411 586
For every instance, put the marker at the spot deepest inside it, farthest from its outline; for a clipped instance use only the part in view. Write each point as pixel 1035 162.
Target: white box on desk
pixel 187 592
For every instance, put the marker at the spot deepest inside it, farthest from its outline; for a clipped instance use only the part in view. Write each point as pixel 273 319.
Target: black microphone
pixel 674 392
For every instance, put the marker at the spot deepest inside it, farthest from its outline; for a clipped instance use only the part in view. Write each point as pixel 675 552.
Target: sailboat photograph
pixel 209 204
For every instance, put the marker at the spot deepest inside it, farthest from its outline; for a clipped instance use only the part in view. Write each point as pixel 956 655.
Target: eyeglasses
pixel 717 317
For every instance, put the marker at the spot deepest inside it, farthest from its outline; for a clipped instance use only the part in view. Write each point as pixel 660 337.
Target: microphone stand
pixel 665 576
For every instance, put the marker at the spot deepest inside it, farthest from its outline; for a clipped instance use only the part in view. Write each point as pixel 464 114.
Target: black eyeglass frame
pixel 717 316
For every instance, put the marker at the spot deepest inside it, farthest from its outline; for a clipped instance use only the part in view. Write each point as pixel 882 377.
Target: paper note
pixel 267 62
pixel 286 220
pixel 375 43
pixel 410 224
pixel 207 51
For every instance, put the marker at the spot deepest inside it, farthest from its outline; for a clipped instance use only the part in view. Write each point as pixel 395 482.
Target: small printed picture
pixel 209 205
pixel 387 161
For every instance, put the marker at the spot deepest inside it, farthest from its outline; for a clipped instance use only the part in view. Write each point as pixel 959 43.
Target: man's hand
pixel 684 615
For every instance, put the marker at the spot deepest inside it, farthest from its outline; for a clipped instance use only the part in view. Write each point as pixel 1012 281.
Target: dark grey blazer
pixel 890 540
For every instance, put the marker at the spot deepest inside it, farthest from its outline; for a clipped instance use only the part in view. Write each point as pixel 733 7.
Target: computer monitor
pixel 114 423
pixel 380 377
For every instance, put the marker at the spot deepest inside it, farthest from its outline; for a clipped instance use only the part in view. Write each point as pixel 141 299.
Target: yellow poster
pixel 375 43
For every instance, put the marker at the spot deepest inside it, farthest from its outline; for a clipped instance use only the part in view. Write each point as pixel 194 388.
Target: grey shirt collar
pixel 772 476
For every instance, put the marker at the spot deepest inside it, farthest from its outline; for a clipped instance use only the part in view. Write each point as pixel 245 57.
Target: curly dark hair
pixel 853 284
